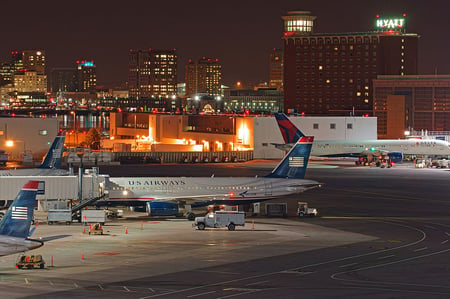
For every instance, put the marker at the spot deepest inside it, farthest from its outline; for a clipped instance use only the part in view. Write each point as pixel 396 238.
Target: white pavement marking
pixel 219 272
pixel 348 265
pixel 200 294
pixel 443 242
pixel 420 249
pixel 386 257
pixel 258 282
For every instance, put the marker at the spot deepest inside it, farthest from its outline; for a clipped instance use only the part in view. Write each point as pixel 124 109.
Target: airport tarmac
pixel 382 233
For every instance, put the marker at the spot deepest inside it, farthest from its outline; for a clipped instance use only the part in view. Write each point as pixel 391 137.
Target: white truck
pixel 218 219
pixel 303 210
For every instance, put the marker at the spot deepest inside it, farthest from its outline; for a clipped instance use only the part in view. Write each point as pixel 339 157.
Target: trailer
pixel 276 209
pixel 93 216
pixel 59 216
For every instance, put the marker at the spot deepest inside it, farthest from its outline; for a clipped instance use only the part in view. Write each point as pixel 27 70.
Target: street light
pixel 12 143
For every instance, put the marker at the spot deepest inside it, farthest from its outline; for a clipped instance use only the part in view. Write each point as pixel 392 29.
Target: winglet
pixel 17 220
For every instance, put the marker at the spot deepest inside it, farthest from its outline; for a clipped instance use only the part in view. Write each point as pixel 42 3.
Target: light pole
pixel 75 138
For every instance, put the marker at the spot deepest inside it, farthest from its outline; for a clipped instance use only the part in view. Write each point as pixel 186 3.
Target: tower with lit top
pixel 332 73
pixel 86 75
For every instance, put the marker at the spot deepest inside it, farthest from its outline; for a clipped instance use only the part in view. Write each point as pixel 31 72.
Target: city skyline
pixel 240 35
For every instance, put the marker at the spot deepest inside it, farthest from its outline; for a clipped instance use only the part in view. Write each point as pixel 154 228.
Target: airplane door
pixel 267 188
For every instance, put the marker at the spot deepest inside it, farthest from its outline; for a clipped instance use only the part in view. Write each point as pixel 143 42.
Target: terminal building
pixel 27 138
pixel 249 137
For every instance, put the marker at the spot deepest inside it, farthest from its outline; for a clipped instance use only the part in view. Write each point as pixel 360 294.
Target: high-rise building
pixel 331 74
pixel 86 75
pixel 412 103
pixel 34 60
pixel 152 73
pixel 27 60
pixel 30 81
pixel 276 69
pixel 6 73
pixel 203 77
pixel 64 79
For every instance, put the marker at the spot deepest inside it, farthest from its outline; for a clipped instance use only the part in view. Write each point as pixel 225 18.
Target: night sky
pixel 240 34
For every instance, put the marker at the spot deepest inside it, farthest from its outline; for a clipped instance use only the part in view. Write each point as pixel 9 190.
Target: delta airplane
pixel 51 165
pixel 366 150
pixel 164 194
pixel 15 226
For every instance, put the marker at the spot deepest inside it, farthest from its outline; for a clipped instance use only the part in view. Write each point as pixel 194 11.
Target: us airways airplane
pixel 51 165
pixel 365 150
pixel 164 194
pixel 15 225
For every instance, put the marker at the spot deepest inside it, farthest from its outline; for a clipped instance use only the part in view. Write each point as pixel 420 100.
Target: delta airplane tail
pixel 295 162
pixel 17 220
pixel 53 158
pixel 290 133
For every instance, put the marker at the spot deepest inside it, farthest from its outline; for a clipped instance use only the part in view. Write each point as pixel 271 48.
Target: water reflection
pixel 84 122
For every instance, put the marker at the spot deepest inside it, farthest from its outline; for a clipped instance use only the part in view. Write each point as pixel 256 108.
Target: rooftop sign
pixel 394 24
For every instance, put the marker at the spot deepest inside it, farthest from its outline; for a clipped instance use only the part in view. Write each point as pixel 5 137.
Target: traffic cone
pixel 84 230
pixel 82 256
pixel 253 224
pixel 126 230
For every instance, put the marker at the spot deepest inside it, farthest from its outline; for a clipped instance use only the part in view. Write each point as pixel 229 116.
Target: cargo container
pixel 93 216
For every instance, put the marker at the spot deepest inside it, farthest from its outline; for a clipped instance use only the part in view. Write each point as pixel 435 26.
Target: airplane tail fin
pixel 291 134
pixel 295 162
pixel 53 158
pixel 17 220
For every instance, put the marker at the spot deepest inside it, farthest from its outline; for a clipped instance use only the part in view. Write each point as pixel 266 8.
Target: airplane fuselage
pixel 218 189
pixel 354 148
pixel 11 245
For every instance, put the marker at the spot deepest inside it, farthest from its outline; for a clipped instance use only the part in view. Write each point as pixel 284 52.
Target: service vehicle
pixel 96 229
pixel 422 163
pixel 304 211
pixel 30 262
pixel 218 219
pixel 439 163
pixel 93 216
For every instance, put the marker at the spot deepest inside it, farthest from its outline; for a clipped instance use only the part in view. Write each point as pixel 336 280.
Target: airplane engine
pixel 396 157
pixel 162 209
